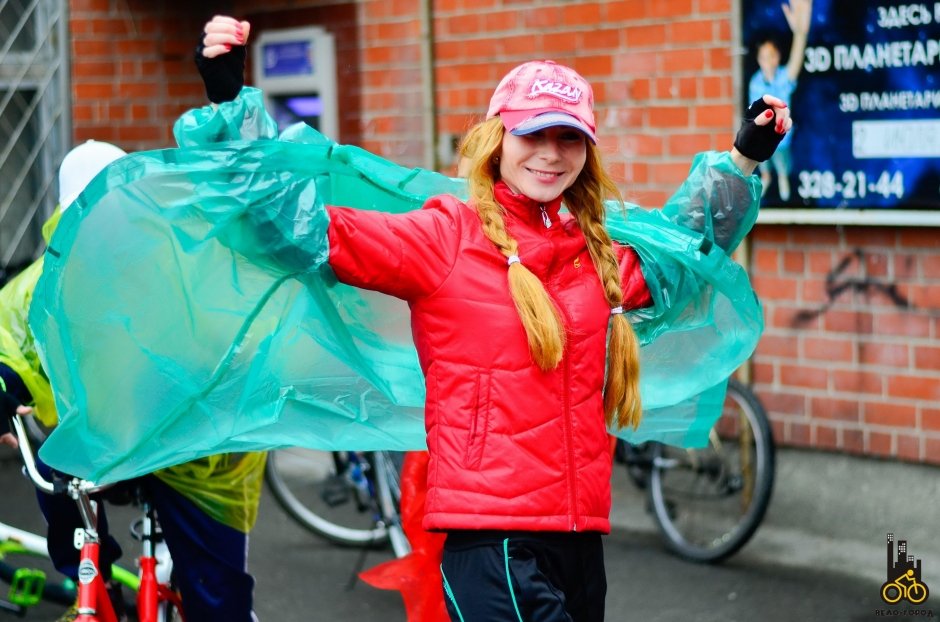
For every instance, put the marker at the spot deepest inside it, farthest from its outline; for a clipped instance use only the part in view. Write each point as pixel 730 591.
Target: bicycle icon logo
pixel 893 591
pixel 906 584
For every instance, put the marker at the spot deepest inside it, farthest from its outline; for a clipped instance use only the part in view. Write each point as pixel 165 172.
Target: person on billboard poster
pixel 780 82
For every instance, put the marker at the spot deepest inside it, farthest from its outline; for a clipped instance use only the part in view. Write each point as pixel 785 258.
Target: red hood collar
pixel 523 208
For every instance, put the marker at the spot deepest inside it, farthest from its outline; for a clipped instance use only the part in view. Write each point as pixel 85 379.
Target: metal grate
pixel 34 123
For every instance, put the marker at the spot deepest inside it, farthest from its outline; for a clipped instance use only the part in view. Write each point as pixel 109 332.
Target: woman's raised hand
pixel 766 122
pixel 221 33
pixel 220 57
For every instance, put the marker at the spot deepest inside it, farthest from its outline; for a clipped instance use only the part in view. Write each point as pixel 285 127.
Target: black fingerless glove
pixel 757 142
pixel 224 75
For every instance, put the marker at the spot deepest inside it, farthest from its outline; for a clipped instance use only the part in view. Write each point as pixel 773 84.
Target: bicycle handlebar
pixel 75 487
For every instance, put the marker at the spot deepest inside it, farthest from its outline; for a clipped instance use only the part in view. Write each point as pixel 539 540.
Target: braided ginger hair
pixel 540 318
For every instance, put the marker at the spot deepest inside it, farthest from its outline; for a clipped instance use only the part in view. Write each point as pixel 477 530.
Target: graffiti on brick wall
pixel 850 275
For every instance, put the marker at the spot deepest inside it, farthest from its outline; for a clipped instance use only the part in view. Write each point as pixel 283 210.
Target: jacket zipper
pixel 572 468
pixel 545 219
pixel 569 435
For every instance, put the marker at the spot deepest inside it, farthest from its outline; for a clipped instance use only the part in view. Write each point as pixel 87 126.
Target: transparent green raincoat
pixel 212 323
pixel 226 487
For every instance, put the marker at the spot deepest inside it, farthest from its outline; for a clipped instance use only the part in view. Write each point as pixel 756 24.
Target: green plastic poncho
pixel 226 487
pixel 212 323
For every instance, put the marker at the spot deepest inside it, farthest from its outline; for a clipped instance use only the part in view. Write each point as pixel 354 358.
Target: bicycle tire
pixel 708 503
pixel 299 478
pixel 61 591
pixel 388 489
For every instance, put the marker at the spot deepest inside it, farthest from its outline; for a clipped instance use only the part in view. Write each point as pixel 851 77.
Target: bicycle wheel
pixel 708 502
pixel 388 486
pixel 325 493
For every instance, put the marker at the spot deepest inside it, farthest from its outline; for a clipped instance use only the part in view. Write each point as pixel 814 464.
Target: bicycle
pixel 707 503
pixel 156 599
pixel 351 498
pixel 915 592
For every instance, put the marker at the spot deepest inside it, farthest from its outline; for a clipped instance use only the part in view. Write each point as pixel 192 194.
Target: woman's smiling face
pixel 543 164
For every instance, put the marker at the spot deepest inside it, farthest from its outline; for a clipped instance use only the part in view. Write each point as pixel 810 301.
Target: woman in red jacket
pixel 518 319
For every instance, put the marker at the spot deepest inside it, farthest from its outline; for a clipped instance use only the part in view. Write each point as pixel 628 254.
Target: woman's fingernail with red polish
pixel 769 113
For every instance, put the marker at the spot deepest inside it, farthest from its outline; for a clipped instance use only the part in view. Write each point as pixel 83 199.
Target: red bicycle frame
pixel 94 602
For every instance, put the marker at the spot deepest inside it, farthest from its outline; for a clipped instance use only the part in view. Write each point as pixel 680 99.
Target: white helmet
pixel 80 166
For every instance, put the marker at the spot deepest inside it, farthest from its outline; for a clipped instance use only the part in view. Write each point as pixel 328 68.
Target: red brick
pixel 908 447
pixel 797 434
pixel 774 288
pixel 582 14
pixel 932 450
pixel 93 90
pixel 930 419
pixel 688 144
pixel 783 402
pixel 640 145
pixel 714 6
pixel 905 266
pixel 804 376
pixel 831 408
pixel 625 10
pixel 794 261
pixel 813 291
pixel 855 381
pixel 879 443
pixel 892 415
pixel 914 387
pixel 927 357
pixel 930 266
pixel 716 116
pixel 848 322
pixel 713 87
pixel 884 354
pixel 685 60
pixel 778 346
pixel 765 259
pixel 840 350
pixel 902 323
pixel 670 8
pixel 699 31
pixel 672 174
pixel 720 59
pixel 853 440
pixel 665 117
pixel 825 436
pixel 819 262
pixel 500 21
pixel 918 237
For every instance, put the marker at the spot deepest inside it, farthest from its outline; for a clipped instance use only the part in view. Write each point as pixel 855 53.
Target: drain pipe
pixel 428 86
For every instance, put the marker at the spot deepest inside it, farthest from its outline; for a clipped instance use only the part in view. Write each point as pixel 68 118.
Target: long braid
pixel 622 403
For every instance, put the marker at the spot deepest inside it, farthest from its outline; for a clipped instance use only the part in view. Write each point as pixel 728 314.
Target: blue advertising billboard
pixel 863 79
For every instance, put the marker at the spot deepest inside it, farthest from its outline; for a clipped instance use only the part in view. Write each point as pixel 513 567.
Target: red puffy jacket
pixel 511 446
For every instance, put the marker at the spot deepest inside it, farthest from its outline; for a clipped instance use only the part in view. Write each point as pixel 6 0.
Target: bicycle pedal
pixel 335 491
pixel 26 587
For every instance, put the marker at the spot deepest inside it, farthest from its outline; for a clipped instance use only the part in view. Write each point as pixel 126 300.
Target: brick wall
pixel 132 69
pixel 850 360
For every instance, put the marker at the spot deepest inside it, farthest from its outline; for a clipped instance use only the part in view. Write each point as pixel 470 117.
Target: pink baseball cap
pixel 541 94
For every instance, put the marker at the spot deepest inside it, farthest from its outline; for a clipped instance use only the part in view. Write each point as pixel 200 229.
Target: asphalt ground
pixel 817 557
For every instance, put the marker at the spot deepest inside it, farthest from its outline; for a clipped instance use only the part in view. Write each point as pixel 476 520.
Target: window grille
pixel 34 123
